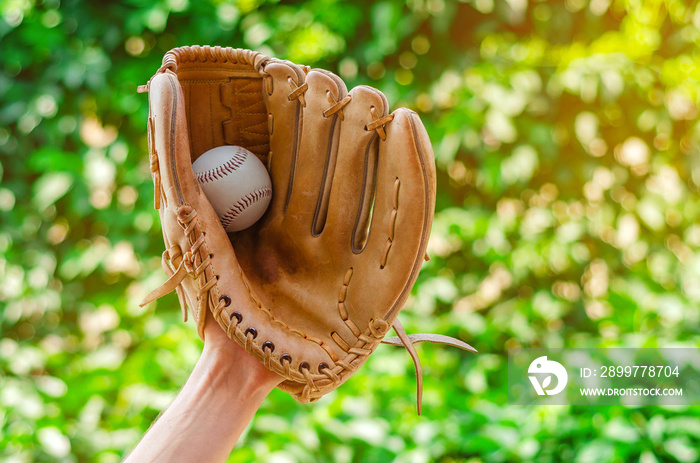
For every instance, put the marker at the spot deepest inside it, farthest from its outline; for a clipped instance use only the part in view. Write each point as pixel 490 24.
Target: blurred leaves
pixel 566 138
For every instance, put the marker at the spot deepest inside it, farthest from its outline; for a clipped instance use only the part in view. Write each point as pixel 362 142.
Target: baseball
pixel 236 183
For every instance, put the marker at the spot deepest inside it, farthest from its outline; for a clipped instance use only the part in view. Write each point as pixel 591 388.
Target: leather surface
pixel 312 288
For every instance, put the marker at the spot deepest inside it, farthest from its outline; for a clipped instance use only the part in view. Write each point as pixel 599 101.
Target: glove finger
pixel 316 158
pixel 405 198
pixel 353 186
pixel 402 213
pixel 285 121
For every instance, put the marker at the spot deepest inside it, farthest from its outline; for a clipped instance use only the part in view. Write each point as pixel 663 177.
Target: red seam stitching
pixel 243 203
pixel 226 168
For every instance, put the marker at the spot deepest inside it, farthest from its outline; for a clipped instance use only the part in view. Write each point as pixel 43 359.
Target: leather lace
pixel 337 106
pixel 378 123
pixel 297 91
pixel 407 341
pixel 191 264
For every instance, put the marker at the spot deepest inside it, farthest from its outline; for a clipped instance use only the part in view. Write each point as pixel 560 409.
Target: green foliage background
pixel 566 136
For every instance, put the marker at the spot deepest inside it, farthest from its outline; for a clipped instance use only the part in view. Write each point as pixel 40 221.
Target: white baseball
pixel 236 183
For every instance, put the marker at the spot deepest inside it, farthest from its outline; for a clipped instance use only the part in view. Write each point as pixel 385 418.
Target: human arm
pixel 213 408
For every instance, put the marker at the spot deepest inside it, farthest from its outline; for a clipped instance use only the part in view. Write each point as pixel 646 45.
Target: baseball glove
pixel 313 287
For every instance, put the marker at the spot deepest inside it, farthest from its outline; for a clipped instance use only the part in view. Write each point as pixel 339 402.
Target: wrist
pixel 231 368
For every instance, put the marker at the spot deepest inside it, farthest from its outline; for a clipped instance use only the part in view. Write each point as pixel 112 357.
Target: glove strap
pixel 403 339
pixel 170 284
pixel 407 341
pixel 175 278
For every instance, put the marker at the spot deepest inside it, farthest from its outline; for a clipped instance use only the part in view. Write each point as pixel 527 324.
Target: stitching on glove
pixel 353 327
pixel 249 106
pixel 378 123
pixel 305 395
pixel 286 362
pixel 297 91
pixel 232 325
pixel 241 104
pixel 338 340
pixel 268 355
pixel 242 110
pixel 394 213
pixel 186 216
pixel 378 328
pixel 350 363
pixel 201 81
pixel 252 114
pixel 345 365
pixel 323 368
pixel 359 351
pixel 330 351
pixel 250 335
pixel 216 311
pixel 245 85
pixel 341 305
pixel 229 72
pixel 337 106
pixel 266 311
pixel 304 369
pixel 207 53
pixel 265 130
pixel 188 265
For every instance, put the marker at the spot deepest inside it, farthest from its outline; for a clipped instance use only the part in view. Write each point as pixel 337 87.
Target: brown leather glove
pixel 314 286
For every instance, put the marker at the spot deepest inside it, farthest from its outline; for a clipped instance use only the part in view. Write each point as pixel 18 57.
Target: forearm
pixel 211 411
